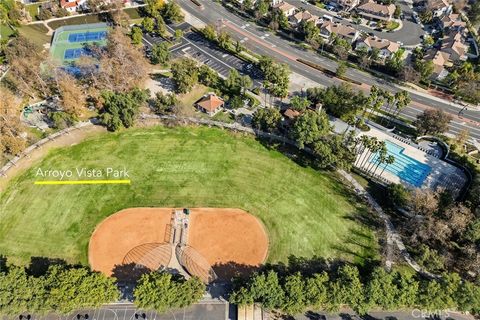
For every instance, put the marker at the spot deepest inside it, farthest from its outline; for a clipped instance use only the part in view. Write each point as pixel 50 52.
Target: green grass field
pixel 306 212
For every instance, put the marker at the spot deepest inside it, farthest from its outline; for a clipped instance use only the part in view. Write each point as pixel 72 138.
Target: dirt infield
pixel 140 236
pixel 123 231
pixel 228 235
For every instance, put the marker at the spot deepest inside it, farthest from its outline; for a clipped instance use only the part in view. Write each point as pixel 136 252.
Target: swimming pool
pixel 406 168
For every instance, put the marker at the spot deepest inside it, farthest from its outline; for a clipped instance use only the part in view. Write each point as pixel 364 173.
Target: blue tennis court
pixel 87 36
pixel 74 53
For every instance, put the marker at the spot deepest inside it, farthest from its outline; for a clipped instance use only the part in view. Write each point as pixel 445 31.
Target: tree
pixel 160 53
pixel 341 47
pixel 184 74
pixel 136 36
pixel 44 14
pixel 267 119
pixel 148 24
pixel 261 8
pixel 425 68
pixel 267 290
pixel 395 62
pixel 245 83
pixel 311 33
pixel 207 76
pixel 164 291
pixel 11 128
pixel 428 41
pixel 161 27
pixel 153 7
pixel 209 33
pixel 71 94
pixel 178 34
pixel 172 12
pixel 224 40
pixel 474 12
pixel 77 288
pixel 232 83
pixel 295 300
pixel 25 74
pixel 341 69
pixel 120 109
pixel 299 103
pixel 433 121
pixel 276 75
pixel 164 103
pixel 309 127
pixel 381 289
pixel 397 195
pixel 351 289
pixel 120 67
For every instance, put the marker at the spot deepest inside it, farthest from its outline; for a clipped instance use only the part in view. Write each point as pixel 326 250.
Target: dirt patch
pixel 230 240
pixel 228 235
pixel 118 234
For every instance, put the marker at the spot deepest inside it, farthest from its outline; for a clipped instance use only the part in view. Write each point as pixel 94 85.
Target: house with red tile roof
pixel 210 104
pixel 376 11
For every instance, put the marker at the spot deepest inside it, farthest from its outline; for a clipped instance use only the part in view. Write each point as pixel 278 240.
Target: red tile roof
pixel 210 102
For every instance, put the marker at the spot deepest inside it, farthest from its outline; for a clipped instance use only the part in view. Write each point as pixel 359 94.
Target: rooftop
pixel 210 102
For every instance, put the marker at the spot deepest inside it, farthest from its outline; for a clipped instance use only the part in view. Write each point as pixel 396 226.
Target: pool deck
pixel 442 175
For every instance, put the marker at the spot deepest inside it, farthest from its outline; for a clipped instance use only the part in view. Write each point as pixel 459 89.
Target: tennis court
pixel 87 36
pixel 74 53
pixel 69 42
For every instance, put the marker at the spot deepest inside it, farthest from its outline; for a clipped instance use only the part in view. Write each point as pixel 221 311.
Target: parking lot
pixel 194 45
pixel 212 310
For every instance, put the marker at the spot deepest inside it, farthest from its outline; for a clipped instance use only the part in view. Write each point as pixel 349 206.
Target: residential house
pixel 345 5
pixel 274 2
pixel 72 5
pixel 348 33
pixel 386 47
pixel 287 9
pixel 210 104
pixel 440 61
pixel 439 8
pixel 452 21
pixel 454 44
pixel 304 16
pixel 376 11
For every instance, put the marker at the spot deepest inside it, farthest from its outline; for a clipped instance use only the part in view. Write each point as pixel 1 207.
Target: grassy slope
pixel 36 33
pixel 306 212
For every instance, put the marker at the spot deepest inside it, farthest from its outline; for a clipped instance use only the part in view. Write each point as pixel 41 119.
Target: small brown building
pixel 210 104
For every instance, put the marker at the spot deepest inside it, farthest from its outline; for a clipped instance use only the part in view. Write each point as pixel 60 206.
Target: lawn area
pixel 33 10
pixel 93 18
pixel 392 25
pixel 306 212
pixel 5 31
pixel 36 33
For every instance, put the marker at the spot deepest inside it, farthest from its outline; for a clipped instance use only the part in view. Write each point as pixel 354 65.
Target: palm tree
pixel 377 147
pixel 363 140
pixel 382 157
pixel 390 100
pixel 390 160
pixel 366 142
pixel 371 148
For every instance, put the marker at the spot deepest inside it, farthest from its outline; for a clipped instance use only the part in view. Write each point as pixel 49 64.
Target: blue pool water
pixel 406 168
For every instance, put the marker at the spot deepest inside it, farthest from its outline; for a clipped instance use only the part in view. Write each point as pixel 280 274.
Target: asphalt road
pixel 258 40
pixel 409 34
